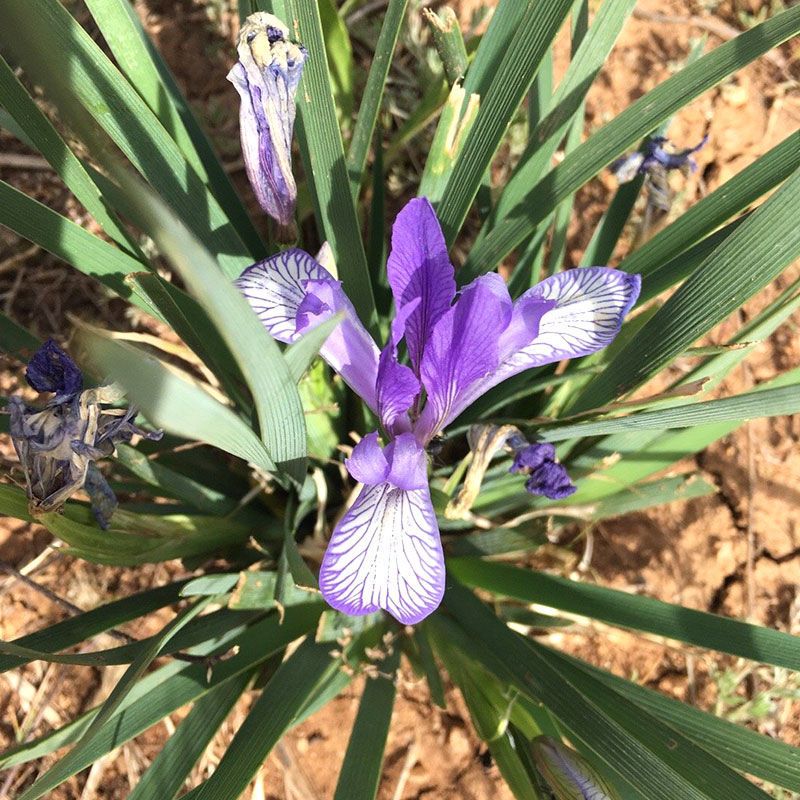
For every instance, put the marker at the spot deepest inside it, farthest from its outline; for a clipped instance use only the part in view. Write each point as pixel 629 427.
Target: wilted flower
pixel 266 76
pixel 547 477
pixel 568 774
pixel 386 551
pixel 58 445
pixel 654 161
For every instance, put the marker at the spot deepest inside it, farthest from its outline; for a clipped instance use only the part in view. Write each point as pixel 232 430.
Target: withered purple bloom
pixel 266 77
pixel 57 445
pixel 547 478
pixel 386 552
pixel 654 161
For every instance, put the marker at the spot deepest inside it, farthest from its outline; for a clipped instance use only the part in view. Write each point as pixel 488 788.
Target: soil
pixel 736 552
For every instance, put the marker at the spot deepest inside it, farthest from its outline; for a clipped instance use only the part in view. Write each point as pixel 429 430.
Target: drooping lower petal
pixel 420 272
pixel 266 78
pixel 582 313
pixel 386 553
pixel 292 293
pixel 463 350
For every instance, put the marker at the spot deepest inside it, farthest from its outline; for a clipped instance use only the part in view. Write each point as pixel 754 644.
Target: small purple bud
pixel 547 477
pixel 653 156
pixel 266 77
pixel 52 370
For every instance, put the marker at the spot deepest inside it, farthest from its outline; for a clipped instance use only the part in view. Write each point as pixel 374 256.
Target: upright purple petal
pixel 419 271
pixel 386 551
pixel 397 387
pixel 266 78
pixel 577 312
pixel 292 293
pixel 464 348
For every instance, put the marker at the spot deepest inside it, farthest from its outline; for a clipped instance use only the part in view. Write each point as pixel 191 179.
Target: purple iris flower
pixel 266 77
pixel 385 552
pixel 654 156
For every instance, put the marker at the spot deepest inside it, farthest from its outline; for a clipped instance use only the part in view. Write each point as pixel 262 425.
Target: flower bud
pixel 568 774
pixel 266 76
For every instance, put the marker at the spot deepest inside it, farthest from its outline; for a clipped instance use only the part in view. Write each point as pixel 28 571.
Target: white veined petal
pixel 591 304
pixel 275 288
pixel 386 553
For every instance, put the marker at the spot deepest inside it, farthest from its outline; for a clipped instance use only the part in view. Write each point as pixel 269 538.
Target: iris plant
pixel 266 77
pixel 385 552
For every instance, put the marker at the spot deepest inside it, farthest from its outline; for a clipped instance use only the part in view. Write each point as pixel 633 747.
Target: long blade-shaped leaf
pixel 565 103
pixel 46 139
pixel 56 52
pixel 633 611
pixel 91 623
pixel 656 760
pixel 277 401
pixel 361 769
pixel 755 253
pixel 373 93
pixel 750 405
pixel 171 402
pixel 324 156
pixel 738 746
pixel 164 778
pixel 515 73
pixel 624 132
pixel 273 713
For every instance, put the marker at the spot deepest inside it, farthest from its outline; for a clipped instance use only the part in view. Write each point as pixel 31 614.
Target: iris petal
pixel 386 553
pixel 278 290
pixel 464 349
pixel 577 312
pixel 420 272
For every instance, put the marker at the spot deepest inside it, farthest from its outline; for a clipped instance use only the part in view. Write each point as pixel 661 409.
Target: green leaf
pixel 42 136
pixel 277 402
pixel 270 717
pixel 149 74
pixel 657 492
pixel 609 229
pixel 370 104
pixel 656 760
pixel 755 253
pixel 174 762
pixel 749 405
pixel 736 745
pixel 58 235
pixel 89 91
pixel 340 59
pixel 324 157
pixel 633 611
pixel 622 133
pixel 170 401
pixel 167 689
pixel 66 766
pixel 565 105
pixel 91 623
pixel 499 102
pixel 183 314
pixel 361 768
